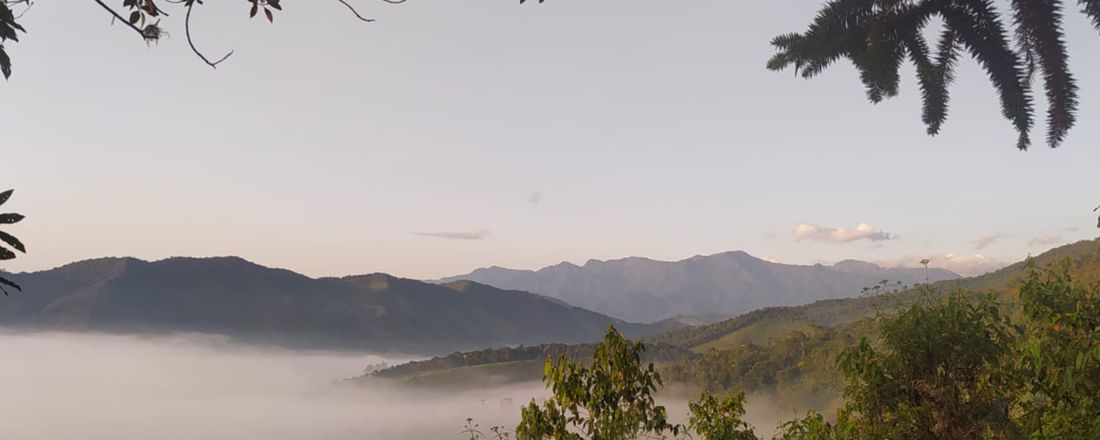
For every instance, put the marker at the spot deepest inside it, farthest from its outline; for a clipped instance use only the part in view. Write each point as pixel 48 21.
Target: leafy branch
pixel 143 17
pixel 11 241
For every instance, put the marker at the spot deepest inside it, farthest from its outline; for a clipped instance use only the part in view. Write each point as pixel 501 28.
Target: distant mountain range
pixel 788 353
pixel 730 283
pixel 253 303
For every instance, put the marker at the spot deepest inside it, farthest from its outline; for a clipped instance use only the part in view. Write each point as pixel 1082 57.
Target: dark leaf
pixel 255 9
pixel 6 16
pixel 270 18
pixel 7 32
pixel 4 196
pixel 134 17
pixel 9 283
pixel 12 241
pixel 7 219
pixel 6 254
pixel 5 63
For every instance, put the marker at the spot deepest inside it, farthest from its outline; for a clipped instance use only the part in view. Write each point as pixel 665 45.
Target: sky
pixel 451 135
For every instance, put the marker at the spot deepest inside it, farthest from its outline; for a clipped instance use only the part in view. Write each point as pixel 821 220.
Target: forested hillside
pixel 790 352
pixel 234 297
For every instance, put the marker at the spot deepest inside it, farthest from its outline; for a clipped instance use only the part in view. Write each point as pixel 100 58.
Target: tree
pixel 879 35
pixel 144 18
pixel 940 370
pixel 1060 361
pixel 724 420
pixel 612 399
pixel 11 241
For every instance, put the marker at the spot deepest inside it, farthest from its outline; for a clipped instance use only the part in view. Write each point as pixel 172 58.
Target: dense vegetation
pixel 942 367
pixel 538 353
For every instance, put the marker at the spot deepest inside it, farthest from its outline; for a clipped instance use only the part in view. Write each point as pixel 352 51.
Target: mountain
pixel 787 352
pixel 253 303
pixel 730 283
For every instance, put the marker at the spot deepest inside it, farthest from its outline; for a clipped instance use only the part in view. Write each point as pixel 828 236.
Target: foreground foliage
pixel 879 35
pixel 942 367
pixel 610 399
pixel 9 240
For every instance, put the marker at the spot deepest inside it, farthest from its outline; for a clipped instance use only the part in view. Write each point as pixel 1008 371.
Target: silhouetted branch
pixel 119 18
pixel 190 42
pixel 353 11
pixel 360 16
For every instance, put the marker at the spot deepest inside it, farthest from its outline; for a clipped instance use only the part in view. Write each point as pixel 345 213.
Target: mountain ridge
pixel 733 282
pixel 232 296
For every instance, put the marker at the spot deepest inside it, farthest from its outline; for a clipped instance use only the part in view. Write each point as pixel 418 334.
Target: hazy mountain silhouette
pixel 641 289
pixel 234 297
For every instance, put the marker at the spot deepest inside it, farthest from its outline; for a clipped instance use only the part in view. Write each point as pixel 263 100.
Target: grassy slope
pixel 787 351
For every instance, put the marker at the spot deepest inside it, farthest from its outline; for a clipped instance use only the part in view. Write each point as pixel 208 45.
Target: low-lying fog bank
pixel 78 386
pixel 61 386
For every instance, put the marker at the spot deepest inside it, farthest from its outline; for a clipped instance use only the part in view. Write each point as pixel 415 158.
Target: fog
pixel 61 386
pixel 80 386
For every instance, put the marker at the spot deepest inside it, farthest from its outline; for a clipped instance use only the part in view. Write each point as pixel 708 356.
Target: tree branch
pixel 353 11
pixel 187 31
pixel 359 16
pixel 119 17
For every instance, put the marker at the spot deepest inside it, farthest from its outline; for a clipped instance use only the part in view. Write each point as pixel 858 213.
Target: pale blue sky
pixel 650 128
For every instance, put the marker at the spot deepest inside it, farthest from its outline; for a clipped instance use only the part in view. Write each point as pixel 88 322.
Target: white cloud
pixel 986 240
pixel 863 231
pixel 456 235
pixel 534 198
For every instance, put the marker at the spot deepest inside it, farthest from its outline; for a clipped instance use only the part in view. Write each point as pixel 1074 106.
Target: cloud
pixel 456 235
pixel 534 198
pixel 986 240
pixel 1047 240
pixel 863 231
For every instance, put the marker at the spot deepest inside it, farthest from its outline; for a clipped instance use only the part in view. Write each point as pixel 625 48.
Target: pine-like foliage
pixel 877 36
